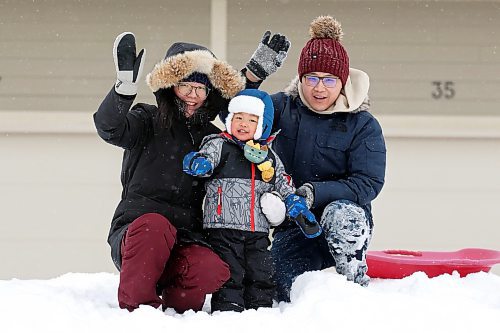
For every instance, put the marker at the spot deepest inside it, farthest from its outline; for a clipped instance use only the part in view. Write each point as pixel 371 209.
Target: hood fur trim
pixel 292 89
pixel 172 70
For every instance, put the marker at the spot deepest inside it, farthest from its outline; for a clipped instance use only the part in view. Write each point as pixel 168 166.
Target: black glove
pixel 128 66
pixel 269 55
pixel 306 191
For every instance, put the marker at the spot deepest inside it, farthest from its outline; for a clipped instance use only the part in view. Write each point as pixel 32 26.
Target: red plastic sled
pixel 397 264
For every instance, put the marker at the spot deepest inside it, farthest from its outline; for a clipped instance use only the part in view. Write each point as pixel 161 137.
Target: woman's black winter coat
pixel 152 177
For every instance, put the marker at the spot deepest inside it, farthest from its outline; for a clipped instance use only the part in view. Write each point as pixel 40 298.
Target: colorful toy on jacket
pixel 257 154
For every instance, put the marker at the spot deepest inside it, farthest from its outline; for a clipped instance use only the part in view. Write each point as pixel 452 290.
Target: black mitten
pixel 269 55
pixel 128 66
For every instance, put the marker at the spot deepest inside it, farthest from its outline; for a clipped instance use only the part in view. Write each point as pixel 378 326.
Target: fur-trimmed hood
pixel 353 98
pixel 183 59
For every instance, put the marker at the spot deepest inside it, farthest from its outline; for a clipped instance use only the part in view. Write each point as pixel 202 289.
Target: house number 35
pixel 443 89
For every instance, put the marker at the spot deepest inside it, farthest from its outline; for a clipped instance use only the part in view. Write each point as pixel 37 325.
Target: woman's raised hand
pixel 128 66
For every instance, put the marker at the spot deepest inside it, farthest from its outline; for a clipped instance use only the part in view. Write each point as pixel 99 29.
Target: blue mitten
pixel 195 164
pixel 296 209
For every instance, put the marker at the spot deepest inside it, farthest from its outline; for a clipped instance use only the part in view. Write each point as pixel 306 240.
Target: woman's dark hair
pixel 165 98
pixel 170 107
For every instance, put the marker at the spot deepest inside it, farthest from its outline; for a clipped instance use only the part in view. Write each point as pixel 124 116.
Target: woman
pixel 156 234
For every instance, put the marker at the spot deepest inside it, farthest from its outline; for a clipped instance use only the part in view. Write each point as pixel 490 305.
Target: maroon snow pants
pixel 151 261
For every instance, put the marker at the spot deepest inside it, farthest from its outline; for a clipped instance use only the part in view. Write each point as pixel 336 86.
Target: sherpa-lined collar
pixel 172 70
pixel 353 98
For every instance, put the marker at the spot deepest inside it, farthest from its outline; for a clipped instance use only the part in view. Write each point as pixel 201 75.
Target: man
pixel 334 150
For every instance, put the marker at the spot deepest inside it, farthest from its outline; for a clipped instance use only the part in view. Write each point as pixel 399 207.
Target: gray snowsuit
pixel 236 226
pixel 233 192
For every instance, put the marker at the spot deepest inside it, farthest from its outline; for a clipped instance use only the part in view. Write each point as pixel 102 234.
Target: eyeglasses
pixel 328 81
pixel 185 89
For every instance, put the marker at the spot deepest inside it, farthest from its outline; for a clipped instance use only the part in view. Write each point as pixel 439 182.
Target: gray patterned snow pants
pixel 348 232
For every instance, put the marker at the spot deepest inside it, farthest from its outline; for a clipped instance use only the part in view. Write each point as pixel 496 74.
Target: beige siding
pixel 403 45
pixel 57 55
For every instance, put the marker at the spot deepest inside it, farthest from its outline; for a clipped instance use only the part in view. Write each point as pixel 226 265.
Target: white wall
pixel 58 194
pixel 440 194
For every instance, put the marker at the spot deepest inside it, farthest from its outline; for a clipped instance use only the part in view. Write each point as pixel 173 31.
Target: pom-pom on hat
pixel 256 102
pixel 323 52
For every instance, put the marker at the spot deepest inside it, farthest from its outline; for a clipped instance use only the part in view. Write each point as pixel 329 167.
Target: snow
pixel 321 302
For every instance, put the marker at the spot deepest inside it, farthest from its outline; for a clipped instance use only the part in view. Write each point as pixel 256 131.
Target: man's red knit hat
pixel 323 52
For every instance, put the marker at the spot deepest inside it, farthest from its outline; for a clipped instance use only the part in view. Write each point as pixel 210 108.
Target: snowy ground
pixel 321 302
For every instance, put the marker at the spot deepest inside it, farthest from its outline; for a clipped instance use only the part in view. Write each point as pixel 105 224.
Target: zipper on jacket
pixel 188 125
pixel 252 200
pixel 219 200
